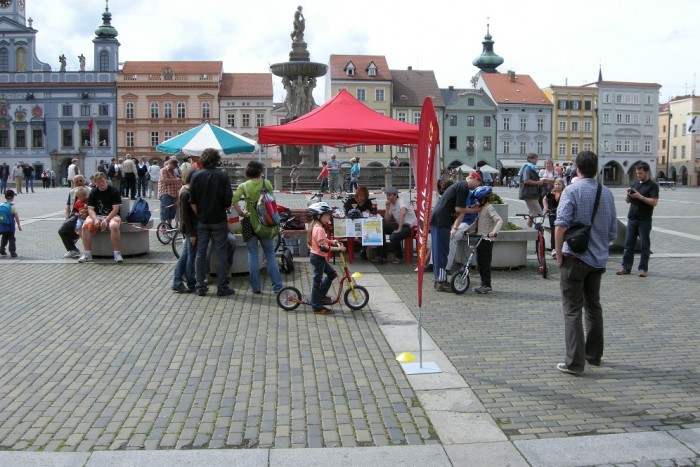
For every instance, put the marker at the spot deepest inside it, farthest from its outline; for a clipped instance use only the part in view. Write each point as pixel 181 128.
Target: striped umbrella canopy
pixel 194 141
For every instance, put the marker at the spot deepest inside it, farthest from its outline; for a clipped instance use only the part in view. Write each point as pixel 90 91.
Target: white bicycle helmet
pixel 318 209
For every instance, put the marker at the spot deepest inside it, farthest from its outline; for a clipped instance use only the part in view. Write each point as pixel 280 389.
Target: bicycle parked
pixel 540 250
pixel 166 231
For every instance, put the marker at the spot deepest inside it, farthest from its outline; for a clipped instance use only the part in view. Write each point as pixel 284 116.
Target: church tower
pixel 106 56
pixel 488 61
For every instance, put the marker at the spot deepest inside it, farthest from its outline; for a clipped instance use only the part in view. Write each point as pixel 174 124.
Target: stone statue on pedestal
pixel 62 60
pixel 299 26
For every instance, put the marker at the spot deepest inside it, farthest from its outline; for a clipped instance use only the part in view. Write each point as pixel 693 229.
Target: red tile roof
pixel 178 67
pixel 246 85
pixel 337 64
pixel 523 90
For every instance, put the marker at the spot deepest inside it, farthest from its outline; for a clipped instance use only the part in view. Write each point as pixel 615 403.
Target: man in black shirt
pixel 210 197
pixel 442 218
pixel 642 197
pixel 104 203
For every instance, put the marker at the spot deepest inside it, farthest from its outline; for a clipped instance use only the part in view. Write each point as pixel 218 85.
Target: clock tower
pixel 14 10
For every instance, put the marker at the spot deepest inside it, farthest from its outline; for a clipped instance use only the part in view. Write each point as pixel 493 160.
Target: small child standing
pixel 489 223
pixel 319 246
pixel 9 217
pixel 80 207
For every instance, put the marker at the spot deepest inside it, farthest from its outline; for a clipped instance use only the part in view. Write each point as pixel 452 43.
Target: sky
pixel 555 41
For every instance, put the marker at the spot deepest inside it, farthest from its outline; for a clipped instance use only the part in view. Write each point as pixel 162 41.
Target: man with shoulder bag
pixel 582 258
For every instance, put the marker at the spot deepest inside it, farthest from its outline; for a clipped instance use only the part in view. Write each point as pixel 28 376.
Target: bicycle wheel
pixel 287 261
pixel 289 298
pixel 164 232
pixel 356 298
pixel 460 280
pixel 177 244
pixel 541 255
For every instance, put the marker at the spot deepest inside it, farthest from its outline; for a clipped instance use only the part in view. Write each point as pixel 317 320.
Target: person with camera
pixel 642 197
pixel 581 273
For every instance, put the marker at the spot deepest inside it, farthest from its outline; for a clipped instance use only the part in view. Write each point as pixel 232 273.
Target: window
pixel 453 120
pixel 104 61
pixel 635 98
pixel 470 145
pixel 167 135
pixel 401 116
pixel 231 120
pixel 626 146
pixel 379 148
pixel 540 147
pixel 649 100
pixel 103 136
pixel 506 147
pixel 154 139
pixel 4 139
pixel 606 97
pixel 470 120
pixel 129 110
pixel 618 98
pixel 618 118
pixel 540 124
pixel 606 118
pixel 523 124
pixel 67 110
pixel 606 145
pixel 562 104
pixel 647 145
pixel 587 146
pixel 574 149
pixel 37 138
pixel 628 118
pixel 4 64
pixel 562 149
pixel 401 150
pixel 85 137
pixel 350 70
pixel 506 123
pixel 674 152
pixel 575 105
pixel 67 137
pixel 562 126
pixel 20 138
pixel 180 110
pixel 487 143
pixel 361 95
pixel 574 126
pixel 675 130
pixel 647 120
pixel 487 121
pixel 587 126
pixel 379 95
pixel 342 149
pixel 683 129
pixel 683 152
pixel 154 110
pixel 129 139
pixel 206 110
pixel 361 148
pixel 168 110
pixel 245 120
pixel 259 120
pixel 416 118
pixel 587 105
pixel 470 102
pixel 84 110
pixel 103 110
pixel 523 147
pixel 663 144
pixel 372 71
pixel 453 142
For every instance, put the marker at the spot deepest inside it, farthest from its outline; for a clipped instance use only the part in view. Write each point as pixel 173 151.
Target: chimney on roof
pixel 511 76
pixel 410 68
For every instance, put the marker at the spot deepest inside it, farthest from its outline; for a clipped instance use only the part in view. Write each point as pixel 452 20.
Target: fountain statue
pixel 299 80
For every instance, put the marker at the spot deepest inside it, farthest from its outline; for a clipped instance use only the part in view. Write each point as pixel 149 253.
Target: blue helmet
pixel 482 192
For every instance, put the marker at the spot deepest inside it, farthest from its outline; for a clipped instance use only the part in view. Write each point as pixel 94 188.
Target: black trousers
pixel 130 188
pixel 68 234
pixel 484 255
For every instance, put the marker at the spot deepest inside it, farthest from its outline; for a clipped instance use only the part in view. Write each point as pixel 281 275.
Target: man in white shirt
pixel 154 172
pixel 399 218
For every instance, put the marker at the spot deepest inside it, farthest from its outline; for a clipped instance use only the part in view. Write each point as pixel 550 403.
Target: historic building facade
pixel 679 140
pixel 49 117
pixel 574 121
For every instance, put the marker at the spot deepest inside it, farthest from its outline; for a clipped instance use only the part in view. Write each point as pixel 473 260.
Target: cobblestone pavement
pixel 105 357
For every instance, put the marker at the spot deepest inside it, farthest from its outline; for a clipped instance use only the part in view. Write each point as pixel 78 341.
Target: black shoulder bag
pixel 578 235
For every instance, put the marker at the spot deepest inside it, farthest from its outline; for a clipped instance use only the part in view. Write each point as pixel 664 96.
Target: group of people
pixel 134 178
pixel 23 173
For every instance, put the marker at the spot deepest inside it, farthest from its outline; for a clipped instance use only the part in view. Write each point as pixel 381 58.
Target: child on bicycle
pixel 319 246
pixel 488 223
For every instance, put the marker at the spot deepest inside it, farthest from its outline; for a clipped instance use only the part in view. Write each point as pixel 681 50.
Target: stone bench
pixel 135 238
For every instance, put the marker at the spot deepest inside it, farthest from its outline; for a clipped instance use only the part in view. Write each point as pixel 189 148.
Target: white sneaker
pixel 72 254
pixel 85 257
pixel 118 257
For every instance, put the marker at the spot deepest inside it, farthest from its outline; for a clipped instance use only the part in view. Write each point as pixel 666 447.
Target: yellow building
pixel 574 127
pixel 683 151
pixel 159 100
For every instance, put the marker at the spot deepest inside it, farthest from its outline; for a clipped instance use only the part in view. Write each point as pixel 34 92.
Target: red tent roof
pixel 342 121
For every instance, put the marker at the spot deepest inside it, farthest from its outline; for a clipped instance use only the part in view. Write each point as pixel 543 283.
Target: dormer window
pixel 350 69
pixel 372 69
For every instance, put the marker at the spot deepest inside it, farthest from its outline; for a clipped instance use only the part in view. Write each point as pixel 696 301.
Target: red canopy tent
pixel 342 121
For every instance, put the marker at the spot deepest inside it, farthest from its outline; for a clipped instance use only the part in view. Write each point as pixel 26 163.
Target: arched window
pixel 130 110
pixel 154 110
pixel 168 110
pixel 4 60
pixel 206 110
pixel 20 56
pixel 104 61
pixel 180 110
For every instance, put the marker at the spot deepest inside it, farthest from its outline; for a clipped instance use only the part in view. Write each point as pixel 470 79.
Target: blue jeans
pixel 229 252
pixel 142 186
pixel 185 264
pixel 273 269
pixel 440 237
pixel 167 208
pixel 219 232
pixel 29 184
pixel 320 286
pixel 637 228
pixel 3 185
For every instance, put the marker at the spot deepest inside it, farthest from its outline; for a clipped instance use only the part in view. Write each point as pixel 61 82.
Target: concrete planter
pixel 510 248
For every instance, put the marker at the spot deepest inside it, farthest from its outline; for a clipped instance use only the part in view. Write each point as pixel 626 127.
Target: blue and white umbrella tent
pixel 194 141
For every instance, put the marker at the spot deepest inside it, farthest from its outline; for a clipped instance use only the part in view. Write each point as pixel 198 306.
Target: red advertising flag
pixel 428 138
pixel 91 123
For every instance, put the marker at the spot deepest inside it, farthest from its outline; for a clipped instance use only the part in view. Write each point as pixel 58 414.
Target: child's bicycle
pixel 356 296
pixel 540 251
pixel 166 230
pixel 460 280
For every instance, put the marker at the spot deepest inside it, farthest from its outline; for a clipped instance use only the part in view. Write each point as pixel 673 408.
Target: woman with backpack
pixel 254 230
